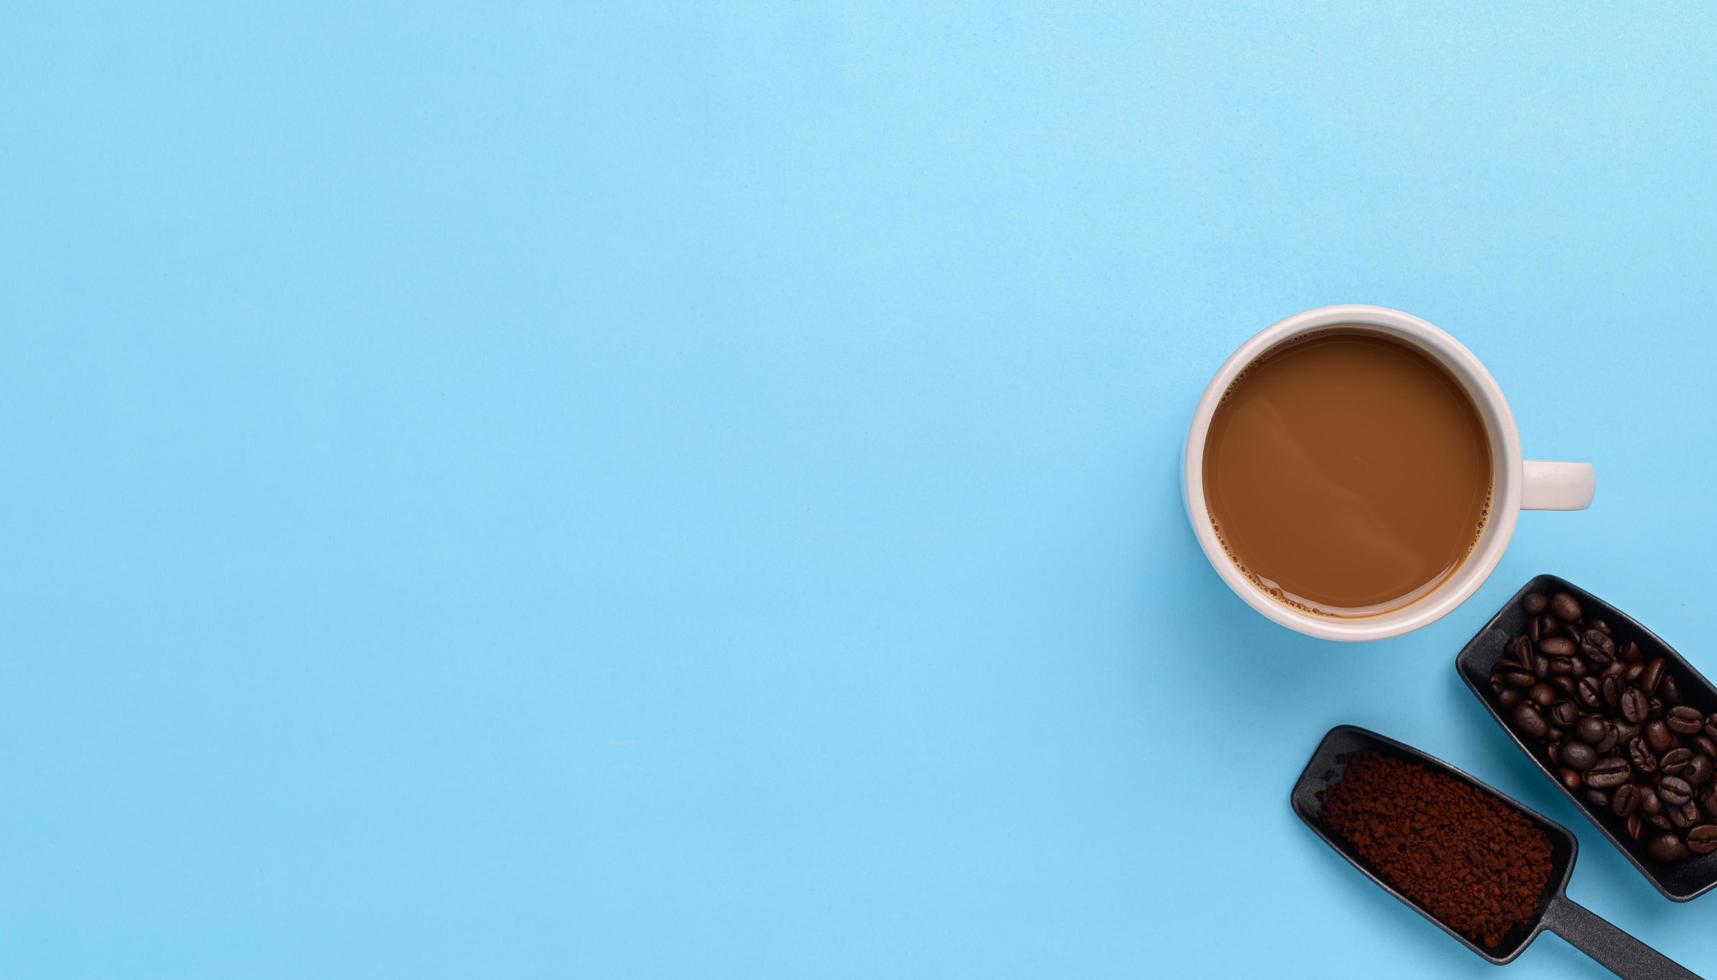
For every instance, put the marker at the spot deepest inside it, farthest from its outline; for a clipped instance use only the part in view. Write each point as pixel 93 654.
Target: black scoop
pixel 1615 949
pixel 1682 881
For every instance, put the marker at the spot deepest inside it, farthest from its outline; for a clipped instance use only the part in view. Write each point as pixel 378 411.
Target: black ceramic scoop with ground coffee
pixel 1410 823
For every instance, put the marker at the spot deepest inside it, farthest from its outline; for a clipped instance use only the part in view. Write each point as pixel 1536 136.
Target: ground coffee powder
pixel 1472 861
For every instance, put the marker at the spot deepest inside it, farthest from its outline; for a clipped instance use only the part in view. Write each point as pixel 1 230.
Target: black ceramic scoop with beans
pixel 1615 949
pixel 1667 698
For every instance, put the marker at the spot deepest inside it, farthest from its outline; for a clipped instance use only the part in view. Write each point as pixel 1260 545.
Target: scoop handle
pixel 1621 953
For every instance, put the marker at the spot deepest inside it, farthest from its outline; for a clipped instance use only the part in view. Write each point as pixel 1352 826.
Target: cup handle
pixel 1547 485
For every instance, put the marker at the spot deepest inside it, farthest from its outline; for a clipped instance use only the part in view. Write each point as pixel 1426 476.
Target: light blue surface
pixel 689 492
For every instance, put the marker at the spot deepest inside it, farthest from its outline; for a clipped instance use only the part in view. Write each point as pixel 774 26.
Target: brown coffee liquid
pixel 1346 473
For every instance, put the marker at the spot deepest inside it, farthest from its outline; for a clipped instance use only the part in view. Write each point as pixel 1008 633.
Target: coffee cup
pixel 1515 484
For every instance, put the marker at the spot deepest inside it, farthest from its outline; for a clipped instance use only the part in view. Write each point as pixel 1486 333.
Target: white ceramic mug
pixel 1516 484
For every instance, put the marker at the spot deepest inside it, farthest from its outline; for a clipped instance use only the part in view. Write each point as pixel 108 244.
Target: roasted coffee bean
pixel 1703 745
pixel 1708 800
pixel 1564 713
pixel 1699 771
pixel 1604 773
pixel 1599 625
pixel 1521 649
pixel 1625 800
pixel 1649 801
pixel 1669 689
pixel 1530 721
pixel 1541 694
pixel 1613 668
pixel 1655 704
pixel 1518 677
pixel 1639 755
pixel 1591 729
pixel 1658 737
pixel 1674 791
pixel 1597 647
pixel 1540 667
pixel 1589 692
pixel 1560 666
pixel 1535 603
pixel 1631 653
pixel 1613 687
pixel 1556 646
pixel 1658 821
pixel 1577 667
pixel 1570 778
pixel 1597 798
pixel 1626 732
pixel 1711 726
pixel 1608 743
pixel 1634 827
pixel 1534 628
pixel 1702 839
pixel 1508 697
pixel 1683 816
pixel 1578 755
pixel 1633 672
pixel 1633 703
pixel 1565 606
pixel 1684 720
pixel 1666 848
pixel 1675 762
pixel 1564 685
pixel 1653 675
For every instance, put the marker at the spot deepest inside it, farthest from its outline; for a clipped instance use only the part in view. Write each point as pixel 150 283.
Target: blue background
pixel 690 490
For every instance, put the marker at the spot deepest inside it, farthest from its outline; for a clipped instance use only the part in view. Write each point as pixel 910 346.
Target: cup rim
pixel 1505 480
